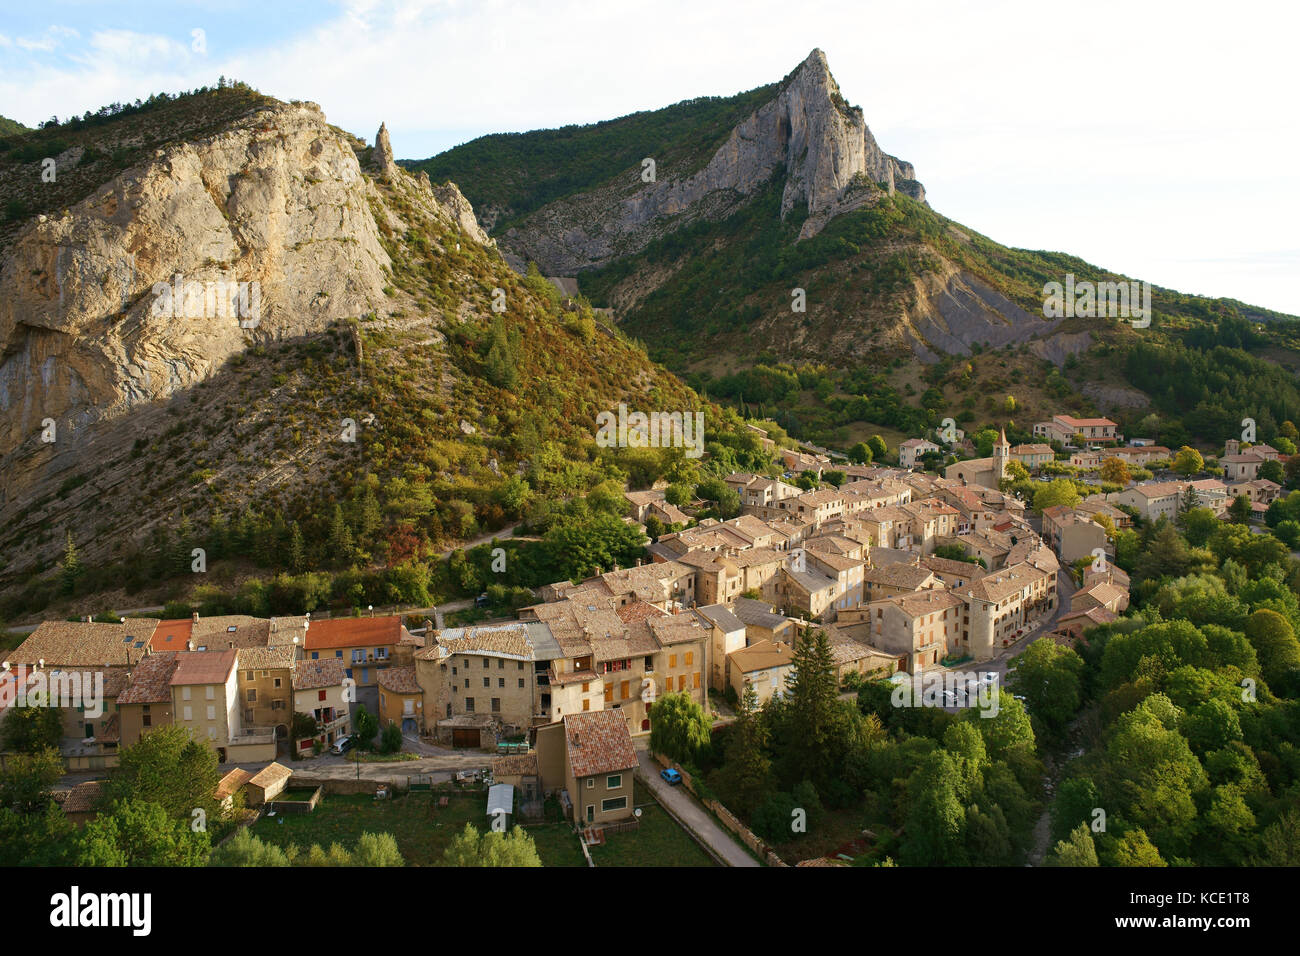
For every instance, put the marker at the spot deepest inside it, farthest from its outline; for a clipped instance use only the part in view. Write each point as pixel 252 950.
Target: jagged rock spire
pixel 382 158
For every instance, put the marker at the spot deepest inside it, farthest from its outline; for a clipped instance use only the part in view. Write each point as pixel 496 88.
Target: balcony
pixel 254 735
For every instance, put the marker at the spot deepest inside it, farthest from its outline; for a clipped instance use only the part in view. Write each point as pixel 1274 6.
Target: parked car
pixel 342 745
pixel 670 775
pixel 481 600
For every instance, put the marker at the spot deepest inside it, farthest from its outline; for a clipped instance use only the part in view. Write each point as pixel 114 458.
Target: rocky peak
pixel 382 158
pixel 832 165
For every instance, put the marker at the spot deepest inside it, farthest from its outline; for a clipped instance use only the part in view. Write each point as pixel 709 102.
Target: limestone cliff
pixel 277 200
pixel 831 160
pixel 274 206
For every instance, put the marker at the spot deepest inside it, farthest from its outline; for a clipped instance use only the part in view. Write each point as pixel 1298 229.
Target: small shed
pixel 268 783
pixel 501 804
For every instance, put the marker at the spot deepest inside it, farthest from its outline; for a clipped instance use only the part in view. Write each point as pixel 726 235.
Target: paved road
pixel 693 816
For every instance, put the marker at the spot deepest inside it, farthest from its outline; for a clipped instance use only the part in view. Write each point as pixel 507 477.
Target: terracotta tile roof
pixel 399 680
pixel 505 640
pixel 171 635
pixel 676 629
pixel 899 575
pixel 354 632
pixel 83 797
pixel 637 611
pixel 598 742
pixel 204 667
pixel 81 644
pixel 314 675
pixel 269 775
pixel 151 680
pixel 284 629
pixel 761 656
pixel 231 782
pixel 280 657
pixel 515 765
pixel 572 677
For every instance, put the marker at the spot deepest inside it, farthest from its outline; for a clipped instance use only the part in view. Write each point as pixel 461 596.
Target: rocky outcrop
pixel 455 205
pixel 832 165
pixel 382 158
pixel 274 206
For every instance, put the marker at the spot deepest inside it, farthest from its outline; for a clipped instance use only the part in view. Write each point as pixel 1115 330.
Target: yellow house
pixel 401 700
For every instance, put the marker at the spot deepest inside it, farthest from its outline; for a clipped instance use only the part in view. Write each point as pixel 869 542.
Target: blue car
pixel 671 776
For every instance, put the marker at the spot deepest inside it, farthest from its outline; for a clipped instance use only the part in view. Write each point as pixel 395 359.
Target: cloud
pixel 1108 129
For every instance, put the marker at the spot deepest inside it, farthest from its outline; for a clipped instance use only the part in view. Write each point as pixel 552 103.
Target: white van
pixel 341 745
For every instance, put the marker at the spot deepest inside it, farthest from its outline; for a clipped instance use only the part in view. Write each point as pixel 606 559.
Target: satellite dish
pixel 637 813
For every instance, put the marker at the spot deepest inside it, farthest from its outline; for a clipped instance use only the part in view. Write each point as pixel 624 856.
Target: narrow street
pixel 678 802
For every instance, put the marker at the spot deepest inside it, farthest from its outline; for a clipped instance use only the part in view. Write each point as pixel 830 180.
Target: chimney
pixel 189 645
pixel 195 618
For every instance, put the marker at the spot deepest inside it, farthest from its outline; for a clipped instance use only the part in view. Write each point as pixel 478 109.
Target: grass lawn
pixel 421 828
pixel 658 842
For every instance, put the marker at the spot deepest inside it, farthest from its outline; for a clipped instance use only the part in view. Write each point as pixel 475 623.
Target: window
pixel 586 686
pixel 501 663
pixel 381 653
pixel 623 689
pixel 496 705
pixel 338 654
pixel 453 670
pixel 320 695
pixel 486 663
pixel 189 713
pixel 212 713
pixel 467 683
pixel 614 803
pixel 248 675
pixel 681 682
pixel 248 716
pixel 521 683
pixel 695 680
pixel 277 682
pixel 469 704
pixel 277 705
pixel 520 667
pixel 487 681
pixel 148 721
pixel 252 696
pixel 586 703
pixel 690 658
pixel 315 655
pixel 613 781
pixel 501 682
pixel 185 694
pixel 672 660
pixel 591 783
pixel 609 693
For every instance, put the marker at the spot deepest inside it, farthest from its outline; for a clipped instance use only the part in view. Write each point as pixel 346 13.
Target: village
pixel 906 572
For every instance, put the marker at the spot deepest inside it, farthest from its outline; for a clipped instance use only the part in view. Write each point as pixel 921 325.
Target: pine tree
pixel 811 710
pixel 71 569
pixel 746 775
pixel 340 539
pixel 297 550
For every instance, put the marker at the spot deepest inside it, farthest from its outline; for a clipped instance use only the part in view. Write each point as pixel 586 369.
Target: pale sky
pixel 1158 140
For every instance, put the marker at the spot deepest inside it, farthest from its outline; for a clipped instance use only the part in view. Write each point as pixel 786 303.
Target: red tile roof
pixel 598 742
pixel 204 667
pixel 354 632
